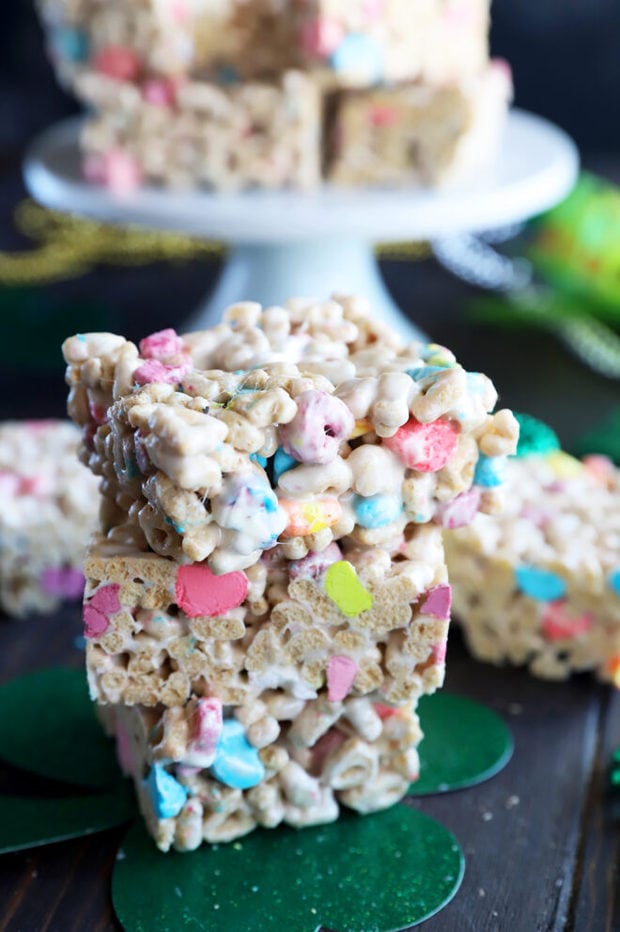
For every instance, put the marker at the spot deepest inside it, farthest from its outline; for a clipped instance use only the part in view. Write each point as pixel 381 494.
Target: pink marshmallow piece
pixel 438 602
pixel 384 116
pixel 207 725
pixel 159 92
pixel 95 622
pixel 320 37
pixel 66 582
pixel 439 652
pixel 598 466
pixel 118 61
pixel 155 371
pixel 162 344
pixel 341 672
pixel 122 172
pixel 201 592
pixel 424 447
pixel 558 625
pixel 106 599
pixel 98 414
pixel 461 511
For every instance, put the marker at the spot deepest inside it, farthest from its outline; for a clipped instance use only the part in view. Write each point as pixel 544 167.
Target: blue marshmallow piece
pixel 425 372
pixel 257 458
pixel 167 794
pixel 614 580
pixel 542 585
pixel 490 471
pixel 359 55
pixel 237 763
pixel 70 43
pixel 282 462
pixel 377 510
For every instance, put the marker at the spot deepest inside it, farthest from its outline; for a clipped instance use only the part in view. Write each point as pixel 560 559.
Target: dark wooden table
pixel 540 838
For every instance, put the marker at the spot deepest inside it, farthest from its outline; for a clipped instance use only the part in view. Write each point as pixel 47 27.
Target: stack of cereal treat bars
pixel 267 599
pixel 280 93
pixel 540 585
pixel 48 509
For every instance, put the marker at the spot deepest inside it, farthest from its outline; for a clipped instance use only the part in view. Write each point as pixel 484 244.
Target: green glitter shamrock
pixel 399 866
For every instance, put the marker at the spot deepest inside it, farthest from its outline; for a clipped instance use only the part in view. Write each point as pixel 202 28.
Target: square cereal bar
pixel 273 497
pixel 540 585
pixel 48 509
pixel 418 133
pixel 226 137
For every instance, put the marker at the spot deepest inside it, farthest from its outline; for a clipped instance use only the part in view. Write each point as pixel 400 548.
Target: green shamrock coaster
pixel 378 873
pixel 48 727
pixel 32 822
pixel 465 743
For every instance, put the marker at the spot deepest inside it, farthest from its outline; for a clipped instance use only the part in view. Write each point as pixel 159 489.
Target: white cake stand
pixel 314 244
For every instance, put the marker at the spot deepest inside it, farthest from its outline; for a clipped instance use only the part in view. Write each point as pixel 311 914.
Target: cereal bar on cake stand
pixel 267 599
pixel 300 135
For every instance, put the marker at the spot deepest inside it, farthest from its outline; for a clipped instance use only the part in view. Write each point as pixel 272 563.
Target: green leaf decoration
pixel 29 823
pixel 575 246
pixel 465 744
pixel 48 726
pixel 378 873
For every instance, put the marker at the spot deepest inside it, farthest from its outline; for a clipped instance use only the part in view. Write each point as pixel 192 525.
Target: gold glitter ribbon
pixel 67 246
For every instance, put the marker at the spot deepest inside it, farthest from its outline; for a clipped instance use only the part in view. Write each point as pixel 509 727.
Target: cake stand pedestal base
pixel 272 272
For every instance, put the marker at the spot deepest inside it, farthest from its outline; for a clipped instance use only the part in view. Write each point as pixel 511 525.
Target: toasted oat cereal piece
pixel 48 508
pixel 539 585
pixel 201 776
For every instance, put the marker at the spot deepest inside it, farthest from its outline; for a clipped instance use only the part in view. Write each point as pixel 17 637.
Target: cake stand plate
pixel 311 244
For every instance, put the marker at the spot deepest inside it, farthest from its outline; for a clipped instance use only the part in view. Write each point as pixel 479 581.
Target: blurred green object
pixel 576 246
pixel 33 326
pixel 575 253
pixel 603 438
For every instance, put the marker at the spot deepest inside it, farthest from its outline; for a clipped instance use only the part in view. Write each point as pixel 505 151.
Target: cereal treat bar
pixel 227 40
pixel 48 509
pixel 279 93
pixel 268 597
pixel 540 585
pixel 416 133
pixel 346 42
pixel 252 134
pixel 361 43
